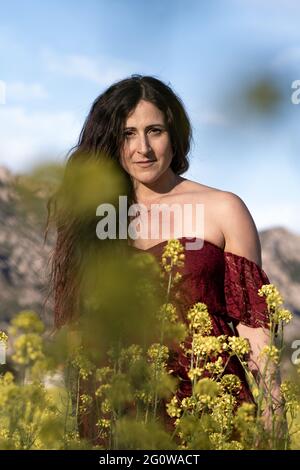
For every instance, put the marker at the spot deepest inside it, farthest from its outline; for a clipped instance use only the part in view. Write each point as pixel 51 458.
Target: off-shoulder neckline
pixel 188 239
pixel 226 253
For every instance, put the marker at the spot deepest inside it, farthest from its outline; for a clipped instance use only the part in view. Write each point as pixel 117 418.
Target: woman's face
pixel 147 151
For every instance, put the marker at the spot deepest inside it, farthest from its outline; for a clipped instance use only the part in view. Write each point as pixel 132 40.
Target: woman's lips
pixel 145 164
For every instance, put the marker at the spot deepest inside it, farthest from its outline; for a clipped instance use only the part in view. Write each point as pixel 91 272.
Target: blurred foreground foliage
pixel 108 377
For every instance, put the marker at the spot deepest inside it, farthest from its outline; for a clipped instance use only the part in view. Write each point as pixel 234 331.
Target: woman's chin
pixel 146 179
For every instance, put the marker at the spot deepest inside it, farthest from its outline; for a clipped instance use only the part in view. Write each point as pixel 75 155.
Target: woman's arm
pixel 241 238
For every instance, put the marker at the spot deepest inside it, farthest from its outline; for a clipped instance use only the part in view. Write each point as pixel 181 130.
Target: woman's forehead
pixel 144 113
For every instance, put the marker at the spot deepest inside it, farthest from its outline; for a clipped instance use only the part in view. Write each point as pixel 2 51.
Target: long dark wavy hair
pixel 102 138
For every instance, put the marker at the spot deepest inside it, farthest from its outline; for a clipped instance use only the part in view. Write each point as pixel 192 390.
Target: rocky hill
pixel 281 261
pixel 24 256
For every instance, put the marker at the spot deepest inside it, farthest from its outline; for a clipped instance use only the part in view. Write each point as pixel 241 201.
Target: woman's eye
pixel 131 133
pixel 156 131
pixel 128 133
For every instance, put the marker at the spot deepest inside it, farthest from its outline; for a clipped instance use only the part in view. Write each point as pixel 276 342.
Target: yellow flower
pixel 85 402
pixel 189 403
pixel 273 297
pixel 231 383
pixel 131 355
pixel 272 352
pixel 173 255
pixel 199 319
pixel 103 425
pixel 103 390
pixel 206 345
pixel 173 409
pixel 145 397
pixel 168 313
pixel 232 445
pixel 207 387
pixel 8 378
pixel 3 337
pixel 28 321
pixel 222 411
pixel 177 277
pixel 238 345
pixel 215 367
pixel 106 406
pixel 159 354
pixel 244 421
pixel 283 315
pixel 291 392
pixel 28 349
pixel 195 373
pixel 83 364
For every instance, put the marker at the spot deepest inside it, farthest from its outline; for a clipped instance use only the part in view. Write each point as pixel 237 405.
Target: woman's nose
pixel 143 145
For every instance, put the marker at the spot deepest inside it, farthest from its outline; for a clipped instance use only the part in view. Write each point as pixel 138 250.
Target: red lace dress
pixel 227 283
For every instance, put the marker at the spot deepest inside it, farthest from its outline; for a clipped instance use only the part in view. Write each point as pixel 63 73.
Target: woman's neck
pixel 153 192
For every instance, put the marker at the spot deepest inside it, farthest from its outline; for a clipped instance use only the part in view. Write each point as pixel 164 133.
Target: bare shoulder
pixel 220 202
pixel 198 189
pixel 238 226
pixel 230 217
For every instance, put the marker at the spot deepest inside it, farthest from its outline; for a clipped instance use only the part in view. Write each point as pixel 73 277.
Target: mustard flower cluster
pixel 195 373
pixel 103 390
pixel 131 355
pixel 27 321
pixel 215 367
pixel 291 394
pixel 3 337
pixel 230 383
pixel 85 403
pixel 83 364
pixel 173 408
pixel 274 300
pixel 282 314
pixel 238 345
pixel 28 349
pixel 271 352
pixel 103 425
pixel 158 354
pixel 207 386
pixel 199 319
pixel 167 313
pixel 273 297
pixel 173 255
pixel 104 374
pixel 206 345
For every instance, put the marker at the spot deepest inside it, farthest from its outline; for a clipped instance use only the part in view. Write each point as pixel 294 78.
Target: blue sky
pixel 56 57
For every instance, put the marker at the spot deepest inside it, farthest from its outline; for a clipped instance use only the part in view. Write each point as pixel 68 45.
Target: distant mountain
pixel 24 256
pixel 281 261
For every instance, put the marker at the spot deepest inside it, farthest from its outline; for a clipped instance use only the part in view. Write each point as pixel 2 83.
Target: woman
pixel 141 124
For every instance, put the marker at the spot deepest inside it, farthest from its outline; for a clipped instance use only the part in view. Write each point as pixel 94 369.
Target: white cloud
pixel 101 70
pixel 20 91
pixel 28 138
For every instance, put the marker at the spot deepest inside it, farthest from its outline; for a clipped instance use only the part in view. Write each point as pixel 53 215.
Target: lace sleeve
pixel 242 280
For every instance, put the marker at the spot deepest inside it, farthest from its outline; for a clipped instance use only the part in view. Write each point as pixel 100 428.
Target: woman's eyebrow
pixel 147 127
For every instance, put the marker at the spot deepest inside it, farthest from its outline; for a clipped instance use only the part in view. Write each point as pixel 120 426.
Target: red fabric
pixel 227 283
